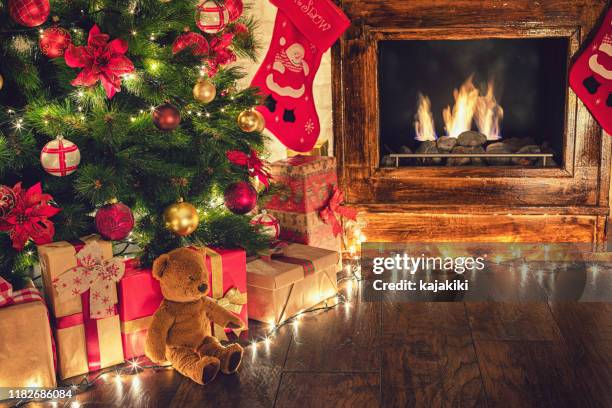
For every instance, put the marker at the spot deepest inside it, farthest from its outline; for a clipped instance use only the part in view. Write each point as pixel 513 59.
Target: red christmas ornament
pixel 196 41
pixel 29 13
pixel 268 224
pixel 234 8
pixel 7 200
pixel 114 221
pixel 211 17
pixel 54 41
pixel 60 157
pixel 101 60
pixel 240 30
pixel 166 117
pixel 240 197
pixel 29 219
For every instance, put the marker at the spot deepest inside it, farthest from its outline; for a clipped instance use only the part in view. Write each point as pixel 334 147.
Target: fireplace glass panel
pixel 449 101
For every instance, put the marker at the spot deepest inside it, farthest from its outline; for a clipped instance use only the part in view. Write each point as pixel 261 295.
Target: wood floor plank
pixel 584 321
pixel 255 385
pixel 512 321
pixel 148 389
pixel 529 374
pixel 428 357
pixel 322 390
pixel 346 338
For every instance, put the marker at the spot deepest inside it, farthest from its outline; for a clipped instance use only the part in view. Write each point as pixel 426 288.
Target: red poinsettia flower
pixel 29 219
pixel 101 60
pixel 220 53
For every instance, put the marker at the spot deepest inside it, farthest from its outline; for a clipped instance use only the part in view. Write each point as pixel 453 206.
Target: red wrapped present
pixel 310 208
pixel 228 285
pixel 139 297
pixel 80 284
pixel 28 353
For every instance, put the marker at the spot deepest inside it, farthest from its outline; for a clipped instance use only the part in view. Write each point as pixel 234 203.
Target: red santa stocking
pixel 303 31
pixel 591 75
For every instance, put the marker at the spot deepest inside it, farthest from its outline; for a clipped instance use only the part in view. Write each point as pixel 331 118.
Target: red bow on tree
pixel 101 61
pixel 333 207
pixel 29 219
pixel 256 166
pixel 220 53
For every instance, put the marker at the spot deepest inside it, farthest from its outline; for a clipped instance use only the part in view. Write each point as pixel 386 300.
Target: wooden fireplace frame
pixel 478 204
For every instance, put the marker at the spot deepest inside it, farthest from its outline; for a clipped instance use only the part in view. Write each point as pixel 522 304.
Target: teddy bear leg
pixel 230 356
pixel 201 369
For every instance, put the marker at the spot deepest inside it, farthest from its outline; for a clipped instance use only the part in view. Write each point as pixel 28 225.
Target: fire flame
pixel 459 119
pixel 469 106
pixel 424 122
pixel 488 114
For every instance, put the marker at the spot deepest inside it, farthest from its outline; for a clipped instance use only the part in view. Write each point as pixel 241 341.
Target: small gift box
pixel 80 283
pixel 320 149
pixel 139 297
pixel 295 278
pixel 227 278
pixel 310 208
pixel 27 351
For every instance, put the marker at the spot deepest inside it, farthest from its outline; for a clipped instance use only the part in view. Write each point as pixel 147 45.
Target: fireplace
pixel 502 100
pixel 455 122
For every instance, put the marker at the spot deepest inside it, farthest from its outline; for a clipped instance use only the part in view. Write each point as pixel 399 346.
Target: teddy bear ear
pixel 160 265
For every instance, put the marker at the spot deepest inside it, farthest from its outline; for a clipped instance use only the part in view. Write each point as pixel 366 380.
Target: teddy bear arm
pixel 221 316
pixel 155 346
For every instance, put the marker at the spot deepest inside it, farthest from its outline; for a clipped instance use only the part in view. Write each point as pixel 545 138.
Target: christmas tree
pixel 144 90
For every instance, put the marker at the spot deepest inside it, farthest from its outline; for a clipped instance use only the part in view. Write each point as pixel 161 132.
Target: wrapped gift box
pixel 83 344
pixel 293 280
pixel 227 278
pixel 310 182
pixel 320 149
pixel 26 346
pixel 139 297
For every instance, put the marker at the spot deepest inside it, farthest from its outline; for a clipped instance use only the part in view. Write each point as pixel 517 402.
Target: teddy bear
pixel 180 331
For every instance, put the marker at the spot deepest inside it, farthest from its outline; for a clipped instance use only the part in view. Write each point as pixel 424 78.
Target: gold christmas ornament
pixel 181 218
pixel 1 81
pixel 251 121
pixel 204 91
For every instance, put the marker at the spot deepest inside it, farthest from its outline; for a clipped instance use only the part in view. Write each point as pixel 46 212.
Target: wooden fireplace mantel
pixel 486 204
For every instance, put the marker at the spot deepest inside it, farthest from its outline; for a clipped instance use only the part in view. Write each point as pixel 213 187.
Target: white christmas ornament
pixel 211 17
pixel 268 223
pixel 60 157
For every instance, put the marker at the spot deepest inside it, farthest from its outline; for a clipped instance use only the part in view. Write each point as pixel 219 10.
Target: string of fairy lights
pixel 132 368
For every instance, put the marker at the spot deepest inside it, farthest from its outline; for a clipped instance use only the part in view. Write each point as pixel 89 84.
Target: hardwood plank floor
pixel 404 354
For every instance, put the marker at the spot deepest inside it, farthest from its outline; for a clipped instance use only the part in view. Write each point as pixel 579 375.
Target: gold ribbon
pixel 136 325
pixel 233 299
pixel 233 302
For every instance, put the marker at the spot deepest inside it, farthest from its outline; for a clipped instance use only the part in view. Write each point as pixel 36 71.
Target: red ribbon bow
pixel 256 166
pixel 220 53
pixel 333 207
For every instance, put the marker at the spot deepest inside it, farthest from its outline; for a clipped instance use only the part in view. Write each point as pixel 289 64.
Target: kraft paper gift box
pixel 88 332
pixel 227 279
pixel 296 279
pixel 310 183
pixel 27 351
pixel 139 297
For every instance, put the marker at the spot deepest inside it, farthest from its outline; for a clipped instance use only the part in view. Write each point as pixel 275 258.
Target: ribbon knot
pixel 329 213
pixel 95 274
pixel 233 300
pixel 255 166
